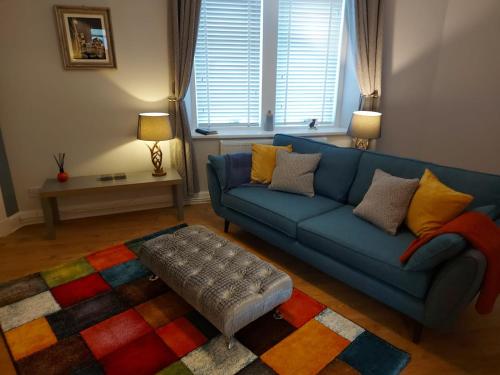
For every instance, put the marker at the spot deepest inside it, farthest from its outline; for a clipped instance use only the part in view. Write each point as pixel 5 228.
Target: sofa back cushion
pixel 336 169
pixel 484 187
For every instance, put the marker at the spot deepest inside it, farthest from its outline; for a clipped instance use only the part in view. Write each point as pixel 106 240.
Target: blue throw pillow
pixel 443 247
pixel 238 169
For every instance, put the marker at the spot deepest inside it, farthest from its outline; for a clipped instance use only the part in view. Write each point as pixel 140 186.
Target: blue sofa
pixel 323 231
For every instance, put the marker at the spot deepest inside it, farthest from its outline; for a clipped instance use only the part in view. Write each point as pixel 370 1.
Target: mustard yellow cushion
pixel 433 205
pixel 264 162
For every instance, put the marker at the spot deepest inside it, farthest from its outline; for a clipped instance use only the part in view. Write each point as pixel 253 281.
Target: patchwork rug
pixel 107 314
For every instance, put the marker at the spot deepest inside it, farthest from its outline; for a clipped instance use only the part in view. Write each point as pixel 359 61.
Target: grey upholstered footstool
pixel 225 283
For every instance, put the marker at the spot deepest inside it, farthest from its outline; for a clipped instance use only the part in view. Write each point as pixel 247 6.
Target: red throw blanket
pixel 483 234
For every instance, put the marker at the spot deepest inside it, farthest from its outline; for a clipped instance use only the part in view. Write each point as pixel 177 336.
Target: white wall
pixel 90 115
pixel 441 82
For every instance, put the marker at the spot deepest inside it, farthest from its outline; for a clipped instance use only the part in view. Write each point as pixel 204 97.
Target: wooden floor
pixel 472 347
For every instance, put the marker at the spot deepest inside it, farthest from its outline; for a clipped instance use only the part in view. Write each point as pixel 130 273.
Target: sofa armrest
pixel 218 163
pixel 214 188
pixel 454 286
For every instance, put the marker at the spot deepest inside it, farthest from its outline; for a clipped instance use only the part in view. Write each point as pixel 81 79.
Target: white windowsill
pixel 243 133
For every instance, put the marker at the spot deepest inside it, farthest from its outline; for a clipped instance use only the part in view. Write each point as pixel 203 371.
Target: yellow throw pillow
pixel 433 205
pixel 264 162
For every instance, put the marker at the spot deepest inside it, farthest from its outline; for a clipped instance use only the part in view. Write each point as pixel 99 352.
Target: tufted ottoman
pixel 225 283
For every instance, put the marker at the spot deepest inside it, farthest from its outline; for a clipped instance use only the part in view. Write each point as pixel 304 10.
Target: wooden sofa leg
pixel 417 332
pixel 226 225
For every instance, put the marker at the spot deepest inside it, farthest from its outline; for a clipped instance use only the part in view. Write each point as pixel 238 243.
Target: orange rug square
pixel 163 309
pixel 110 257
pixel 306 351
pixel 300 308
pixel 181 336
pixel 30 338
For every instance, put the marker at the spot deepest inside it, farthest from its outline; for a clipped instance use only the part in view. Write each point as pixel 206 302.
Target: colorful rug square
pixel 144 356
pixel 214 358
pixel 80 289
pixel 176 368
pixel 306 351
pixel 115 332
pixel 371 355
pixel 337 323
pixel 16 290
pixel 118 320
pixel 67 272
pixel 265 332
pixel 300 308
pixel 30 338
pixel 141 290
pixel 74 319
pixel 257 367
pixel 124 273
pixel 26 310
pixel 110 257
pixel 65 357
pixel 163 309
pixel 181 336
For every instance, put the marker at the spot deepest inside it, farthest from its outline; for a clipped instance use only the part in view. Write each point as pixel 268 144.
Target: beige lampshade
pixel 154 126
pixel 365 124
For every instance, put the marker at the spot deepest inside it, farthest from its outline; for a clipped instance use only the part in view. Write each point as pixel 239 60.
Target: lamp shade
pixel 365 124
pixel 154 126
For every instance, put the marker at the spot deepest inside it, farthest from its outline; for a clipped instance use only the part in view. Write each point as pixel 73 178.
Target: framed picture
pixel 85 37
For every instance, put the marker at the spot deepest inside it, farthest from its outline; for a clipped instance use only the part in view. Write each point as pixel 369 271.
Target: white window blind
pixel 227 63
pixel 309 42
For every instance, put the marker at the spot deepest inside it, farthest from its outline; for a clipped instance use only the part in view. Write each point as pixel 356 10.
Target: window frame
pixel 268 67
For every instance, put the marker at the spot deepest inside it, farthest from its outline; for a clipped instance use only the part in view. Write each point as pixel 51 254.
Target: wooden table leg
pixel 48 215
pixel 178 193
pixel 55 209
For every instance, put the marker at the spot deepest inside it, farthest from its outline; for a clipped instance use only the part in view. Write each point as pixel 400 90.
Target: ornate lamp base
pixel 361 143
pixel 156 159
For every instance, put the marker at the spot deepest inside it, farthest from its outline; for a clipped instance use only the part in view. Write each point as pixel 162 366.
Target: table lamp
pixel 156 127
pixel 365 125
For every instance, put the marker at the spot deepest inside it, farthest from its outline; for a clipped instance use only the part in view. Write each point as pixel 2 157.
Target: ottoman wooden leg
pixel 226 225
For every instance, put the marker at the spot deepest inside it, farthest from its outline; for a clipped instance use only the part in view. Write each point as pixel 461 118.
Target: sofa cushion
pixel 281 211
pixel 484 187
pixel 346 238
pixel 336 169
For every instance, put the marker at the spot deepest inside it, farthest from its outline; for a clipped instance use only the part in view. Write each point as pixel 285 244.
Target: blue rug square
pixel 371 355
pixel 124 273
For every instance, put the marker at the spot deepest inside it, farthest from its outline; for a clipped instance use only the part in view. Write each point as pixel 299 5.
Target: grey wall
pixel 90 115
pixel 441 82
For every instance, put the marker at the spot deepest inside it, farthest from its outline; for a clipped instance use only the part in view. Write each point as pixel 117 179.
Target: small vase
pixel 62 176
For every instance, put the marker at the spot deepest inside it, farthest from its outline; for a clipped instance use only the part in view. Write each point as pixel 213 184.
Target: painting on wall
pixel 85 37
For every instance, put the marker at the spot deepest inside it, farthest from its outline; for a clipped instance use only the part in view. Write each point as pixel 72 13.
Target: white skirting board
pixel 23 218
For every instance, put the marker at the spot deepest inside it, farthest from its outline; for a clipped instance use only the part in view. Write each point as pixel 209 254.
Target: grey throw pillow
pixel 294 173
pixel 386 202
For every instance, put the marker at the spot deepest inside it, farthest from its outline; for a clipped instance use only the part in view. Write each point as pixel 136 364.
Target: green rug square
pixel 67 272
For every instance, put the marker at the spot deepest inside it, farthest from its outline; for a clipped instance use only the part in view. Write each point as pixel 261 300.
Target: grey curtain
pixel 183 19
pixel 365 25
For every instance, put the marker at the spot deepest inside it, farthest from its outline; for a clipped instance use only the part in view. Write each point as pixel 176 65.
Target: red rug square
pixel 75 291
pixel 110 257
pixel 144 356
pixel 181 336
pixel 115 332
pixel 300 308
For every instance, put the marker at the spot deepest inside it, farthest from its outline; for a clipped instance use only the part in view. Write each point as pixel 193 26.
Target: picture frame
pixel 85 37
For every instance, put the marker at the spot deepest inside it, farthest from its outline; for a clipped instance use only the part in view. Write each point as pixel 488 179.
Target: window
pixel 255 55
pixel 307 66
pixel 227 63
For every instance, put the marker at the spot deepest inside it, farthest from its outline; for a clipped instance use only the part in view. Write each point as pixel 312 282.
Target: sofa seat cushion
pixel 346 238
pixel 281 211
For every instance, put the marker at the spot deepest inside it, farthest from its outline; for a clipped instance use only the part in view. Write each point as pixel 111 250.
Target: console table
pixel 53 189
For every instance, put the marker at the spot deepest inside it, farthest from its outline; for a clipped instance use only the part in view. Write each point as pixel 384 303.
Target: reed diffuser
pixel 62 176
